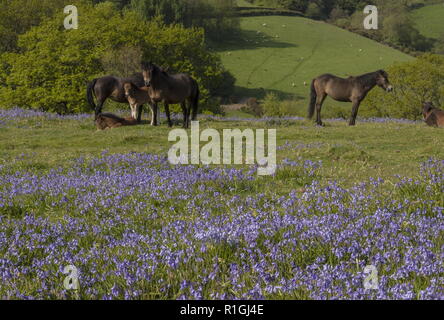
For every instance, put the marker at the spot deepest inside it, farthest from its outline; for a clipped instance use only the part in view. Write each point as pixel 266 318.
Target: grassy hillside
pixel 281 53
pixel 429 20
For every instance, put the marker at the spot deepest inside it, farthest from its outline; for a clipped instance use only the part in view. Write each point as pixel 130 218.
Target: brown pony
pixel 433 116
pixel 108 120
pixel 172 89
pixel 352 89
pixel 137 97
pixel 111 87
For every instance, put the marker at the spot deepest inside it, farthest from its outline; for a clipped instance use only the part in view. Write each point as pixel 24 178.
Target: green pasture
pixel 348 154
pixel 283 54
pixel 429 20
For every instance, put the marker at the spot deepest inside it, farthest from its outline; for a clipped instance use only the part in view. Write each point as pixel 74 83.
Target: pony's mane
pixel 160 70
pixel 428 106
pixel 156 68
pixel 146 65
pixel 368 78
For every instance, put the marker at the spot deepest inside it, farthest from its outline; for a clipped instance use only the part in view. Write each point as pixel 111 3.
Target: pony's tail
pixel 195 105
pixel 89 94
pixel 313 97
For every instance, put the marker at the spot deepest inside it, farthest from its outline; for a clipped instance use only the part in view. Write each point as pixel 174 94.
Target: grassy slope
pixel 293 50
pixel 348 154
pixel 429 20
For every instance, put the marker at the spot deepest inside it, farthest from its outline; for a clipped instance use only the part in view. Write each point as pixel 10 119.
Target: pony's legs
pixel 99 106
pixel 167 111
pixel 185 115
pixel 189 114
pixel 154 114
pixel 354 113
pixel 134 110
pixel 139 114
pixel 319 101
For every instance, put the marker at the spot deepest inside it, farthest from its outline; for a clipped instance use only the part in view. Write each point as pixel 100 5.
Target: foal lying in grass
pixel 433 116
pixel 109 120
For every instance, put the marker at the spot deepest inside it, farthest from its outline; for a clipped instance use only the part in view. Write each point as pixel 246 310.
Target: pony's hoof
pixel 320 124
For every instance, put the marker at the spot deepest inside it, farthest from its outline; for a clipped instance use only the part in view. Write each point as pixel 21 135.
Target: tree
pixel 18 16
pixel 314 11
pixel 215 16
pixel 124 61
pixel 439 46
pixel 54 64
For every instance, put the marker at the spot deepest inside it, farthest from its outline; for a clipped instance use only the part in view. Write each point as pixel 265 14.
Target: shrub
pixel 272 106
pixel 217 17
pixel 415 82
pixel 54 64
pixel 313 11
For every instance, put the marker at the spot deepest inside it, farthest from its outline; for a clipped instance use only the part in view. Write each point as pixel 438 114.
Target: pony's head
pixel 383 81
pixel 148 71
pixel 427 107
pixel 128 88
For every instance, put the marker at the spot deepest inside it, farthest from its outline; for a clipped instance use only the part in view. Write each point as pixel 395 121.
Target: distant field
pixel 429 20
pixel 279 54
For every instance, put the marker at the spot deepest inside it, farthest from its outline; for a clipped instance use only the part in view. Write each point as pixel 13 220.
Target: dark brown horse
pixel 352 89
pixel 172 89
pixel 108 120
pixel 111 87
pixel 434 117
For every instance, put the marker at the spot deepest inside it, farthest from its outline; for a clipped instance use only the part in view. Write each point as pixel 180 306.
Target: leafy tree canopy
pixel 54 65
pixel 415 82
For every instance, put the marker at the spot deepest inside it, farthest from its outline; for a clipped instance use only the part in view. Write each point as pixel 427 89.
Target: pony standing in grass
pixel 352 89
pixel 172 89
pixel 137 97
pixel 111 87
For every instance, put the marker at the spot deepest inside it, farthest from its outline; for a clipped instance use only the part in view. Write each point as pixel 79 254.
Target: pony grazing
pixel 137 97
pixel 352 89
pixel 434 117
pixel 108 120
pixel 111 87
pixel 172 89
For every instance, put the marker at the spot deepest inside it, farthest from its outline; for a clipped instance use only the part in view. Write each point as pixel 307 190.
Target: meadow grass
pixel 370 149
pixel 137 227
